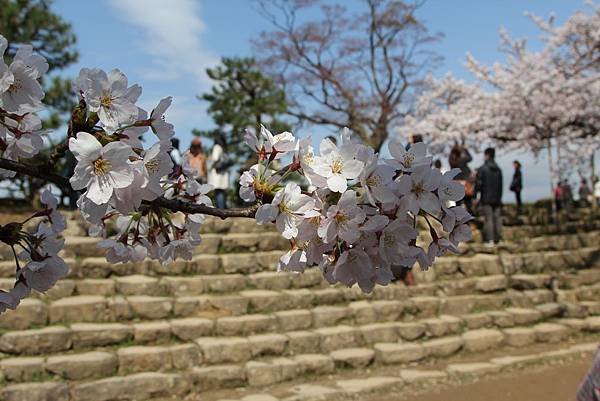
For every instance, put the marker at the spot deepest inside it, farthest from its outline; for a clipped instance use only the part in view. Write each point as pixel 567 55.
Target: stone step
pixel 343 385
pixel 268 359
pixel 447 267
pixel 432 298
pixel 269 241
pixel 311 279
pixel 211 244
pixel 439 315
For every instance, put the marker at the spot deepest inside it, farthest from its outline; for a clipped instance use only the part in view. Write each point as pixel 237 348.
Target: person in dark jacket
pixel 516 185
pixel 488 185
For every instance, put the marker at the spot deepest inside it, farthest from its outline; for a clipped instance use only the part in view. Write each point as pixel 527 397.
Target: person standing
pixel 176 158
pixel 460 158
pixel 585 194
pixel 197 159
pixel 218 174
pixel 516 185
pixel 488 185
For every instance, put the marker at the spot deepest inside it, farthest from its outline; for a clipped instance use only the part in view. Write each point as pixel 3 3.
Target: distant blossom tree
pixel 359 71
pixel 444 114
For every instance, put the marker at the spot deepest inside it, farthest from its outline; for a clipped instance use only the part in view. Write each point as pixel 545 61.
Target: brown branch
pixel 41 172
pixel 174 205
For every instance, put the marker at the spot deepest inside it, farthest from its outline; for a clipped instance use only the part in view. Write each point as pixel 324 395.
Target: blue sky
pixel 165 46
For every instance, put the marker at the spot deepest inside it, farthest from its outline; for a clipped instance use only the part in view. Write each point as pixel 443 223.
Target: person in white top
pixel 218 173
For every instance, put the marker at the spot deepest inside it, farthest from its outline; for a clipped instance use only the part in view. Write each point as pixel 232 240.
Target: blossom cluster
pixel 21 95
pixel 36 253
pixel 119 167
pixel 358 220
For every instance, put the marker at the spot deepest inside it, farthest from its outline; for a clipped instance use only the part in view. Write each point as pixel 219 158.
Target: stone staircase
pixel 227 320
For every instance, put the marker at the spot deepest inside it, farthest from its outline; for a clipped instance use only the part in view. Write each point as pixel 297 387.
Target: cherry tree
pixel 359 220
pixel 448 111
pixel 535 101
pixel 538 103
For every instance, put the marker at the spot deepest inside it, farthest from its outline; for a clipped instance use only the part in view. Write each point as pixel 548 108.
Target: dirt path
pixel 547 383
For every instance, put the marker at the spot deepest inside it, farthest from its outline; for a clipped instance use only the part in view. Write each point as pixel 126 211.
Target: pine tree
pixel 33 22
pixel 242 97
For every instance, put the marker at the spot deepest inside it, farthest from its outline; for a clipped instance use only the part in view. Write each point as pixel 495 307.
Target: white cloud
pixel 172 33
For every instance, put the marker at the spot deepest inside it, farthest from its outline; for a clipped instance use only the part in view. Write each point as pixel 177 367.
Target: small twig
pixel 59 152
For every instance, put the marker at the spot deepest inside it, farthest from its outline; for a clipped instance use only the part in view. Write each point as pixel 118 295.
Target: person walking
pixel 516 185
pixel 460 158
pixel 218 173
pixel 488 185
pixel 196 158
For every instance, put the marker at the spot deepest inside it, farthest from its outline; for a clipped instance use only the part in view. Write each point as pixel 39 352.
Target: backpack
pixel 223 164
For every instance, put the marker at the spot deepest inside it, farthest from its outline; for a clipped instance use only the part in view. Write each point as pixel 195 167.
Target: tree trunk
pixel 551 168
pixel 593 180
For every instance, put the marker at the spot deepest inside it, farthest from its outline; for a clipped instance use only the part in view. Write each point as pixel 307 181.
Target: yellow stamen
pixel 337 166
pixel 101 166
pixel 373 181
pixel 106 101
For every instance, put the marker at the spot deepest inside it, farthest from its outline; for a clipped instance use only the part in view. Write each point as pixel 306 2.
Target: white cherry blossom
pixel 287 207
pixel 337 165
pixel 342 220
pixel 100 169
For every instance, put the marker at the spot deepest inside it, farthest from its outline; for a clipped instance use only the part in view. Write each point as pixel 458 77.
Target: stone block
pixel 146 307
pixel 137 285
pixel 144 359
pixel 519 336
pixel 303 342
pixel 141 386
pixel 185 356
pixel 550 332
pixel 224 349
pixel 35 392
pixel 333 338
pixel 217 377
pixel 443 347
pixel 482 339
pixel 393 353
pixel 83 308
pixel 379 333
pixel 315 363
pixel 293 320
pixel 152 332
pixel 267 344
pixel 83 366
pixel 245 325
pixel 27 342
pixel 22 369
pixel 356 358
pixel 98 335
pixel 323 316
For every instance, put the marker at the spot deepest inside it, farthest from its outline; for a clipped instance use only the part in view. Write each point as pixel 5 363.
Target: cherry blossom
pixel 285 209
pixel 100 169
pixel 337 165
pixel 109 96
pixel 417 190
pixel 160 127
